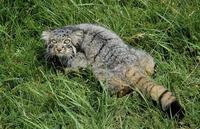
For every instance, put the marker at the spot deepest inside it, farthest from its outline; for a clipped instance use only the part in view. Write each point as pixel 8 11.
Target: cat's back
pixel 102 30
pixel 102 45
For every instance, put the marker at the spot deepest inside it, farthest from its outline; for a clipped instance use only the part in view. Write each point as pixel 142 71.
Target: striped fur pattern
pixel 122 67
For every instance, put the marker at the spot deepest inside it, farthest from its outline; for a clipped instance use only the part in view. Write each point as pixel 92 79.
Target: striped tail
pixel 158 93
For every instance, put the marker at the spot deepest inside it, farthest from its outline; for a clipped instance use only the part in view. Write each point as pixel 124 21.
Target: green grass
pixel 32 95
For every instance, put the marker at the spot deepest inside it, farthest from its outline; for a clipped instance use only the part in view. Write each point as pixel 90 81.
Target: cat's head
pixel 62 42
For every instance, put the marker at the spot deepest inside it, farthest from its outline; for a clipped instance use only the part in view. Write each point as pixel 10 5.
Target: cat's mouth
pixel 60 54
pixel 65 55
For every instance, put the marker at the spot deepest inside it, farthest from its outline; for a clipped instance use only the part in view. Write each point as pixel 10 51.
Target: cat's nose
pixel 59 49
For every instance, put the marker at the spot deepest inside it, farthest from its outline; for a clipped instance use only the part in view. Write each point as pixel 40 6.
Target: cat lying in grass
pixel 122 67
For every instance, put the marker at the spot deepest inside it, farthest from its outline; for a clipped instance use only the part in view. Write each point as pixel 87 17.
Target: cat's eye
pixel 68 40
pixel 50 46
pixel 53 41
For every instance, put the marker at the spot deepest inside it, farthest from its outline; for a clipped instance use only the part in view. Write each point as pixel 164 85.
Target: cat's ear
pixel 77 37
pixel 45 35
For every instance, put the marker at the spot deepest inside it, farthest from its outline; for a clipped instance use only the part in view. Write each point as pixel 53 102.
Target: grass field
pixel 34 96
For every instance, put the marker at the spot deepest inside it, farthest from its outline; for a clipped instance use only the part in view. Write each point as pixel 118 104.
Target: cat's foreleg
pixel 78 62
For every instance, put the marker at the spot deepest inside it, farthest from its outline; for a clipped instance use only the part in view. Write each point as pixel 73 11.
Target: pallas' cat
pixel 122 67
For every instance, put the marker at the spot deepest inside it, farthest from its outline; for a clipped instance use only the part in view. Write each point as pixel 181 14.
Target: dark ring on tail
pixel 159 99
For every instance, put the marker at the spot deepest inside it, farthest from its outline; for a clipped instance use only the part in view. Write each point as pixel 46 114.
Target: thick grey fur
pixel 100 48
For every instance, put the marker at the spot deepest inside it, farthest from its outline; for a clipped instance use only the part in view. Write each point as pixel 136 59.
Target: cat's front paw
pixel 70 70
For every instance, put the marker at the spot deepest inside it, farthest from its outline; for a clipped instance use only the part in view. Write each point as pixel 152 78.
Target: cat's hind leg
pixel 123 88
pixel 115 85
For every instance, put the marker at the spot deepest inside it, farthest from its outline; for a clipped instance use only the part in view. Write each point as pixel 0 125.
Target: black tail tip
pixel 176 111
